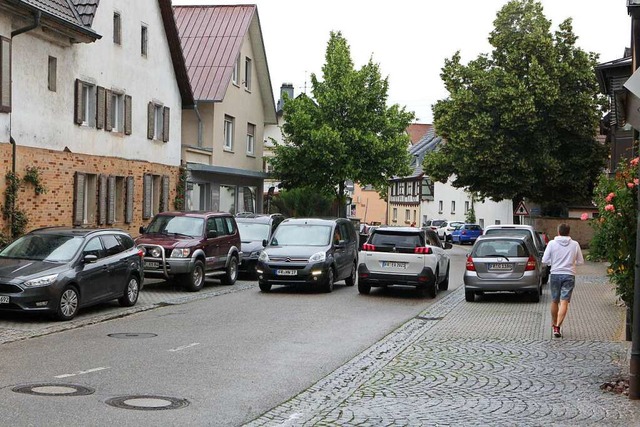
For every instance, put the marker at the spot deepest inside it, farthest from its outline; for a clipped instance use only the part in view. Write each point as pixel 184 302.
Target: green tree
pixel 521 122
pixel 345 132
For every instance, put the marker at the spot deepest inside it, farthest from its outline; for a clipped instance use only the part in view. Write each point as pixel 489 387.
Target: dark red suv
pixel 187 246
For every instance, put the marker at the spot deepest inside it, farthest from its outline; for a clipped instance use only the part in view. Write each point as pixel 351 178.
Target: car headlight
pixel 41 281
pixel 254 254
pixel 318 257
pixel 263 257
pixel 155 252
pixel 180 253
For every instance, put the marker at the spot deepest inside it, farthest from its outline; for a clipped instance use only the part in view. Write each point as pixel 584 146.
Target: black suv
pixel 255 231
pixel 309 251
pixel 61 269
pixel 188 246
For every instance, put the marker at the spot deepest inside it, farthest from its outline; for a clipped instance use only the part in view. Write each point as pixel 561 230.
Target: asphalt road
pixel 228 358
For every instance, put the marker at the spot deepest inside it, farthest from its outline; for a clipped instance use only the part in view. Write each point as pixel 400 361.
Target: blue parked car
pixel 466 233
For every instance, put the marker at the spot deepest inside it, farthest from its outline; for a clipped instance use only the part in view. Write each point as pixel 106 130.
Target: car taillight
pixel 470 265
pixel 531 264
pixel 140 253
pixel 422 250
pixel 368 247
pixel 463 232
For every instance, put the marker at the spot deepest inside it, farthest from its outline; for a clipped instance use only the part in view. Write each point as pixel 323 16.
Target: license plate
pixel 4 299
pixel 151 264
pixel 500 266
pixel 286 272
pixel 393 264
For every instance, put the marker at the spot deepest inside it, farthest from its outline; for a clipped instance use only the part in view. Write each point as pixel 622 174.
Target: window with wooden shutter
pixel 128 217
pixel 108 122
pixel 164 201
pixel 151 119
pixel 111 200
pixel 147 198
pixel 165 124
pixel 100 108
pixel 52 77
pixel 78 108
pixel 78 198
pixel 5 75
pixel 127 115
pixel 102 199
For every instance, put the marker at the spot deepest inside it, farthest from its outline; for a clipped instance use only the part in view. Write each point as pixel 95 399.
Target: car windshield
pixel 301 235
pixel 252 231
pixel 185 225
pixel 496 248
pixel 43 247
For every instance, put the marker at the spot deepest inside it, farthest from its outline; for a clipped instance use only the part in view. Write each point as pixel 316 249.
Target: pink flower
pixel 584 216
pixel 634 162
pixel 609 198
pixel 610 208
pixel 630 184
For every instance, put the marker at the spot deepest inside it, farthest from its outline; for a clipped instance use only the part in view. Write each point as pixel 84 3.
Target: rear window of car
pixel 507 248
pixel 472 227
pixel 406 240
pixel 508 232
pixel 438 222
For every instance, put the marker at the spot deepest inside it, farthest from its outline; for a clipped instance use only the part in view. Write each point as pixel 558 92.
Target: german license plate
pixel 500 266
pixel 286 272
pixel 151 264
pixel 4 299
pixel 394 264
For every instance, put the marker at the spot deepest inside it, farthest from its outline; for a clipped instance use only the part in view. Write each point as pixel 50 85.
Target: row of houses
pixel 124 106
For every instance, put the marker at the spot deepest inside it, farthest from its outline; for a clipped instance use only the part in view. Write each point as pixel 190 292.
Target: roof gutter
pixel 36 23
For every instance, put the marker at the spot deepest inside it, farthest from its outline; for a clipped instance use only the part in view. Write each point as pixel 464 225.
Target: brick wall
pixel 581 231
pixel 57 170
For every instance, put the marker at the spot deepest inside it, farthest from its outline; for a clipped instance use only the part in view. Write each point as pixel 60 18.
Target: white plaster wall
pixel 42 118
pixel 5 31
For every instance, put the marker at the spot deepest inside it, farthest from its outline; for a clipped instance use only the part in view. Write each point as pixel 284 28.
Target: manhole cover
pixel 132 335
pixel 147 403
pixel 53 390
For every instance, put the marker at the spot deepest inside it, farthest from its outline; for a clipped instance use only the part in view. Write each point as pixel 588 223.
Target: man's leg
pixel 554 313
pixel 562 311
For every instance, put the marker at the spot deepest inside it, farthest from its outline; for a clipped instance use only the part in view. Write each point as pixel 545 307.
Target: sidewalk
pixel 492 362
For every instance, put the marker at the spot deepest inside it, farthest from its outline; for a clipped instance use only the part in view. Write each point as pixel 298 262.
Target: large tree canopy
pixel 522 121
pixel 345 132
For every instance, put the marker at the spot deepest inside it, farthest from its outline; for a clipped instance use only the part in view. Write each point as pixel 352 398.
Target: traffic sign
pixel 521 209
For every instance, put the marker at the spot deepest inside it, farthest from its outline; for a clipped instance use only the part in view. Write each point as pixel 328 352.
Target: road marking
pixel 184 347
pixel 88 371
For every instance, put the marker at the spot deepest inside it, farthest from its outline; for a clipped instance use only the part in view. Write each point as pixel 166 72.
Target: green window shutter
pixel 111 200
pixel 147 185
pixel 128 217
pixel 78 198
pixel 100 113
pixel 165 124
pixel 127 115
pixel 78 106
pixel 151 109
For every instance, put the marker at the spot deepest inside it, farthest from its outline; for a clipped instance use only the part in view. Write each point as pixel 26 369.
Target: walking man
pixel 563 254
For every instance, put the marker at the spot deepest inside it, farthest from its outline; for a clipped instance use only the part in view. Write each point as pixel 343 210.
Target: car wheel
pixel 535 296
pixel 131 292
pixel 444 285
pixel 194 281
pixel 231 274
pixel 364 288
pixel 328 285
pixel 68 303
pixel 469 296
pixel 264 287
pixel 351 280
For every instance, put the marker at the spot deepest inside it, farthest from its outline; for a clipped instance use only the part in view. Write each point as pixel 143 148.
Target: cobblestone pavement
pixel 492 362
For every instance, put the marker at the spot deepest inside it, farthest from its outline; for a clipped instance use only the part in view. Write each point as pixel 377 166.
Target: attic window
pixel 144 40
pixel 117 28
pixel 247 73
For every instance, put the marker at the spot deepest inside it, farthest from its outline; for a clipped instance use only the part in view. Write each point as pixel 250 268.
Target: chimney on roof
pixel 285 88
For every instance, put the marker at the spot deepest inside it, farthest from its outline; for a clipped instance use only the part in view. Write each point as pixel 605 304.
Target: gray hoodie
pixel 563 254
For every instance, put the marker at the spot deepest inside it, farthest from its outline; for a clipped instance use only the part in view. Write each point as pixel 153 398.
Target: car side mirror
pixel 142 230
pixel 90 259
pixel 212 234
pixel 447 245
pixel 264 243
pixel 341 244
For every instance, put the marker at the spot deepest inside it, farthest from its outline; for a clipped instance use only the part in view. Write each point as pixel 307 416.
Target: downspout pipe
pixel 195 107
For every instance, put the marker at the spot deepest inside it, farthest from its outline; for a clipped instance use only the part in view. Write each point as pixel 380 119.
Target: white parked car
pixel 407 256
pixel 445 229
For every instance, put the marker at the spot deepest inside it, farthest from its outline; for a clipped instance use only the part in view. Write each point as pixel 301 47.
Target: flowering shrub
pixel 614 239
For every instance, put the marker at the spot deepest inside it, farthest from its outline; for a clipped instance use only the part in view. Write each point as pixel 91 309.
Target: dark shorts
pixel 561 286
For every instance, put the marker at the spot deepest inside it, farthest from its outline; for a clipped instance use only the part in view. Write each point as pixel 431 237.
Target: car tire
pixel 351 280
pixel 231 273
pixel 68 304
pixel 444 285
pixel 328 284
pixel 535 296
pixel 264 287
pixel 364 288
pixel 194 281
pixel 131 292
pixel 469 296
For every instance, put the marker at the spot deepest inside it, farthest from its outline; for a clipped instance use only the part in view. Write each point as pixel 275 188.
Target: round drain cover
pixel 53 389
pixel 132 335
pixel 147 403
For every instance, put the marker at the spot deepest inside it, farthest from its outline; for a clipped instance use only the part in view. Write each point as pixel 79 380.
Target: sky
pixel 410 39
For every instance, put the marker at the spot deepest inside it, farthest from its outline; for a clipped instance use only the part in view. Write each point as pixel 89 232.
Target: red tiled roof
pixel 211 38
pixel 417 130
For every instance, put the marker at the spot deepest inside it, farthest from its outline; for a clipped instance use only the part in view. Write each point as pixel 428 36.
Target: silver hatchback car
pixel 503 264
